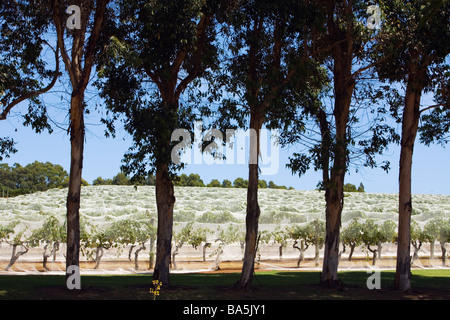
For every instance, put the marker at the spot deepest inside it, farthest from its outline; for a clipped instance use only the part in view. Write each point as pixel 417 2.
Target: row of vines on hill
pixel 136 235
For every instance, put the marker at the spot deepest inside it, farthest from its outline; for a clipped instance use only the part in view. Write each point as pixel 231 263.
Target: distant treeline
pixel 184 180
pixel 37 176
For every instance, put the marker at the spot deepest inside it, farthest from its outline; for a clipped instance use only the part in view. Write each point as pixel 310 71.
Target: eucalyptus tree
pixel 77 35
pixel 155 52
pixel 339 135
pixel 25 72
pixel 415 54
pixel 265 76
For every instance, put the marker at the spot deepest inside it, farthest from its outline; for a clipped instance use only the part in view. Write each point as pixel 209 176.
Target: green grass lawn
pixel 270 285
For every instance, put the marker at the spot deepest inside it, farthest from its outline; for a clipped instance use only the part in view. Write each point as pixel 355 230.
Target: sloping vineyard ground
pixel 214 209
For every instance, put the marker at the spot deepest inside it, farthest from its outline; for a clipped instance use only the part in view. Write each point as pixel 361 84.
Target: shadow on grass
pixel 270 285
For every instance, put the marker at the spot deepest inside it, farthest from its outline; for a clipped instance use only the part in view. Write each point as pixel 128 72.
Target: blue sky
pixel 102 157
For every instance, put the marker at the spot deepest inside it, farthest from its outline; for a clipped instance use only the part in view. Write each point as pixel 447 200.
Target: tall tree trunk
pixel 165 201
pixel 151 259
pixel 334 186
pixel 74 192
pixel 334 205
pixel 253 210
pixel 411 115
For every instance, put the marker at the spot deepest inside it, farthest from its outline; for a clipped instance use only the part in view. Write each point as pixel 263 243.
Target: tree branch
pixel 197 56
pixel 432 107
pixel 32 94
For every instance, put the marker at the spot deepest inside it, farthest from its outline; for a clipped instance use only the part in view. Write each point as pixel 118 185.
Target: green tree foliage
pixel 266 76
pixel 240 183
pixel 14 234
pixel 154 52
pixel 349 187
pixel 96 239
pixel 281 237
pixel 312 233
pixel 26 72
pixel 36 176
pixel 414 52
pixel 352 236
pixel 226 183
pixel 51 234
pixel 418 237
pixel 226 235
pixel 214 183
pixel 373 234
pixel 432 230
pixel 369 237
pixel 438 229
pixel 193 180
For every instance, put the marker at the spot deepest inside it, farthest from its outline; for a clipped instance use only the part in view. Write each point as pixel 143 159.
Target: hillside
pixel 103 204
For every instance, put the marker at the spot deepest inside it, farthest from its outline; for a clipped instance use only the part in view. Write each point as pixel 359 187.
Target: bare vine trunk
pixel 444 252
pixel 16 254
pixel 98 256
pixel 136 255
pixel 411 115
pixel 47 254
pixel 334 181
pixel 301 250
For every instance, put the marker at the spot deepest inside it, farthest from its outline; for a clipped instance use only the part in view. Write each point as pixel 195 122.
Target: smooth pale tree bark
pixel 253 210
pixel 74 191
pixel 334 181
pixel 411 116
pixel 16 254
pixel 78 65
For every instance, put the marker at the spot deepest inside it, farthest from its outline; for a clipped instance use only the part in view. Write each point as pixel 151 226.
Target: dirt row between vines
pixel 124 266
